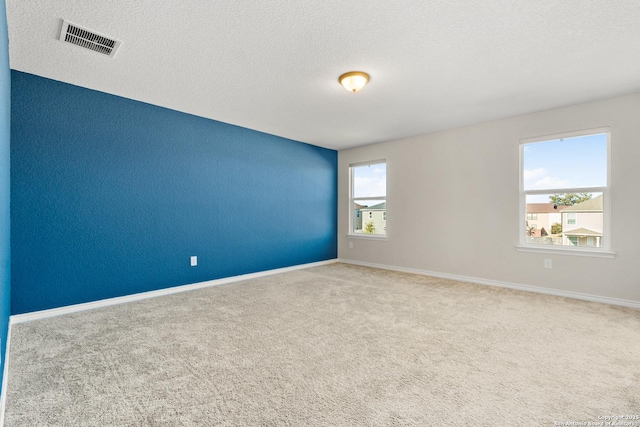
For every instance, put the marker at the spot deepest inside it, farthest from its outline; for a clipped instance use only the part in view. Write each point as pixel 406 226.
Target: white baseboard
pixel 527 288
pixel 5 377
pixel 43 314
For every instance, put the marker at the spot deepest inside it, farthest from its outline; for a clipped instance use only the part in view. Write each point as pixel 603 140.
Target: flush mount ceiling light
pixel 353 81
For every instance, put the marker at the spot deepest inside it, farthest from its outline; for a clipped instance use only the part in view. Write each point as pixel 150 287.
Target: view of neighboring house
pixel 541 217
pixel 582 223
pixel 357 218
pixel 376 215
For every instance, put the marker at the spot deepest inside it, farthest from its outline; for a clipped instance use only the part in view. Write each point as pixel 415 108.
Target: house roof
pixel 591 205
pixel 544 208
pixel 582 232
pixel 379 206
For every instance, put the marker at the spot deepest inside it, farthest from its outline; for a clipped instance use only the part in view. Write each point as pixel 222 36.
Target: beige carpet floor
pixel 336 345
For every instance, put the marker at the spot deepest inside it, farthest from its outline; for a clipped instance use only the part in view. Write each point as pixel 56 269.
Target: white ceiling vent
pixel 88 39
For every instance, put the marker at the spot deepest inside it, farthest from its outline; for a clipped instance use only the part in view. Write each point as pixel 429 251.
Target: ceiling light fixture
pixel 353 81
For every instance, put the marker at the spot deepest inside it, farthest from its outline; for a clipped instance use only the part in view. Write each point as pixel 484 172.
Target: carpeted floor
pixel 336 345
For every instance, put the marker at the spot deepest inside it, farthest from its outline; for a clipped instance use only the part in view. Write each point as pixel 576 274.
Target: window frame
pixel 353 200
pixel 604 251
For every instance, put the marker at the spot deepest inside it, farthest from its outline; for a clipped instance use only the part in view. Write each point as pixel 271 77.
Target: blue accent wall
pixel 111 197
pixel 5 125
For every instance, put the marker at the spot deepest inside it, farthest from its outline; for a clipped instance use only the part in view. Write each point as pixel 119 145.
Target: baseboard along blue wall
pixel 111 197
pixel 5 187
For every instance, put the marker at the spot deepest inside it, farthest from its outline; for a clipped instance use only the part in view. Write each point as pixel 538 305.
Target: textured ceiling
pixel 273 65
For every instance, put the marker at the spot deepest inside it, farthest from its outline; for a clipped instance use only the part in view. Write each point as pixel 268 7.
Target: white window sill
pixel 367 236
pixel 566 251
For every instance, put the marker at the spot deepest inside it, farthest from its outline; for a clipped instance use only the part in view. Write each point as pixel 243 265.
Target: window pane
pixel 370 217
pixel 370 180
pixel 565 219
pixel 576 162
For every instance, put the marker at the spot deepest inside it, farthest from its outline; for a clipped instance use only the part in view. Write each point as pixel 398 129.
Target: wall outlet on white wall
pixel 194 261
pixel 548 264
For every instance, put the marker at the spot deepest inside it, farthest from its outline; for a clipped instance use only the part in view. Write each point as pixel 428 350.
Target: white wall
pixel 463 185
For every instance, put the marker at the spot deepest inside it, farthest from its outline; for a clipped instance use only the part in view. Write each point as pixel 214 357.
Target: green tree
pixel 369 228
pixel 569 199
pixel 556 228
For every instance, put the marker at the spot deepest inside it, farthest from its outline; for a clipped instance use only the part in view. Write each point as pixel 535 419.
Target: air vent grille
pixel 88 39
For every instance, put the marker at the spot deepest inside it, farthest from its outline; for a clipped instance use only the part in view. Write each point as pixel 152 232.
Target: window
pixel 565 178
pixel 368 182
